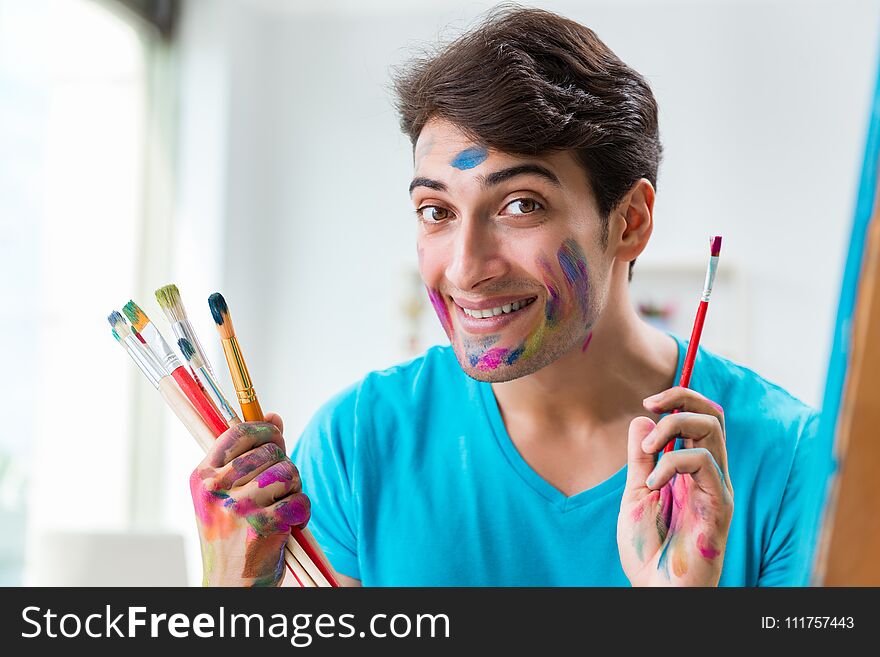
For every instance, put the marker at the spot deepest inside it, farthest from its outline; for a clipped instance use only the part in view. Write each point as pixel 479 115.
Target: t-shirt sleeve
pixel 326 459
pixel 788 558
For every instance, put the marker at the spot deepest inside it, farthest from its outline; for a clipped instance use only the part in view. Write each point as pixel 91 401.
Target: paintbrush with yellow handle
pixel 251 412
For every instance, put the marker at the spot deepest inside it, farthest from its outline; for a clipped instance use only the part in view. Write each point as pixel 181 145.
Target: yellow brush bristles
pixel 135 315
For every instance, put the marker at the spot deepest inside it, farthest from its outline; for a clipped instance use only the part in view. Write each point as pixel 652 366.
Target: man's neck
pixel 626 361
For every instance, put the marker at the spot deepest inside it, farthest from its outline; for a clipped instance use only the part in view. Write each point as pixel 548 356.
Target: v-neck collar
pixel 540 485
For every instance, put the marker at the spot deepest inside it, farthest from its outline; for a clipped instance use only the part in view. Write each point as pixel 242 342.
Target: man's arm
pixel 788 558
pixel 329 464
pixel 345 580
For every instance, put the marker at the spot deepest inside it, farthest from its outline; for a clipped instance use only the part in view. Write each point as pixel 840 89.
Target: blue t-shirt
pixel 414 481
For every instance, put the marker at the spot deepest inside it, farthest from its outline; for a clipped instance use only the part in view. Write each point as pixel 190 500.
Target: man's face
pixel 510 250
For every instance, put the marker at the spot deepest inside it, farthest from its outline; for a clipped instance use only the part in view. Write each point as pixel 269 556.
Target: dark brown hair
pixel 526 82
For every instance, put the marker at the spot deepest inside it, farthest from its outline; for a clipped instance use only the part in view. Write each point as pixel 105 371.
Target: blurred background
pixel 251 147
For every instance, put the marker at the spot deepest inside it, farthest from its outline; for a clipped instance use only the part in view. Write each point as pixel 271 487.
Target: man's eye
pixel 432 213
pixel 522 206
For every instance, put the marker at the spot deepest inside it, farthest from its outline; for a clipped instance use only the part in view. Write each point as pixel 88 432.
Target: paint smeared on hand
pixel 246 505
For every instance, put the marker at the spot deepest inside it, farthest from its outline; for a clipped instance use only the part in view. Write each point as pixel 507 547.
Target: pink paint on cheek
pixel 441 310
pixel 707 550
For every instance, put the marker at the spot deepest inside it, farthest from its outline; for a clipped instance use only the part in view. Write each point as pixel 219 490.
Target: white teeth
pixel 493 312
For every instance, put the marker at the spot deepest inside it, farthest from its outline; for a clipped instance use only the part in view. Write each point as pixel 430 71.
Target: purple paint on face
pixel 441 310
pixel 552 307
pixel 492 359
pixel 574 268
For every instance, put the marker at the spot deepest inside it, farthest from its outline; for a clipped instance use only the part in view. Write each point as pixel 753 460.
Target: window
pixel 72 103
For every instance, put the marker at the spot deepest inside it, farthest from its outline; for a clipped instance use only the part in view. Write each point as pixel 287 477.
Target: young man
pixel 524 453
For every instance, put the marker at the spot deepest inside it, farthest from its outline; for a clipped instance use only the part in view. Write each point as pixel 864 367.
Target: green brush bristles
pixel 219 309
pixel 135 315
pixel 169 301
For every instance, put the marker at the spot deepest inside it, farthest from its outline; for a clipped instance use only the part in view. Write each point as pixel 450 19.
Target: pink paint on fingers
pixel 294 511
pixel 707 550
pixel 283 471
pixel 638 512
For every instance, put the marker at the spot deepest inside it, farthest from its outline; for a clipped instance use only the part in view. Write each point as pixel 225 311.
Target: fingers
pixel 291 511
pixel 242 438
pixel 697 462
pixel 703 430
pixel 684 399
pixel 273 483
pixel 697 419
pixel 639 464
pixel 244 468
pixel 275 419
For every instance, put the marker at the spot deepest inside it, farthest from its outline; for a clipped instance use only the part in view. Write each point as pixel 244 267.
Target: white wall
pixel 763 111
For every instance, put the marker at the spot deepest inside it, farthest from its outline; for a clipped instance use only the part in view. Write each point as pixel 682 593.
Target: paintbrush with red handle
pixel 694 343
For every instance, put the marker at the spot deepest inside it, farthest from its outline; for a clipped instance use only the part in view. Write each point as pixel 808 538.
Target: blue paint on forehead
pixel 470 157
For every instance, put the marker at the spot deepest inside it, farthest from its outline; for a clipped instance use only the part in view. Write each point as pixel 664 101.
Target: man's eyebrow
pixel 499 177
pixel 426 182
pixel 495 178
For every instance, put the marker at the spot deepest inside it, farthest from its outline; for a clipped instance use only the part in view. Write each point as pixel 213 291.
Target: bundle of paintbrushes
pixel 194 395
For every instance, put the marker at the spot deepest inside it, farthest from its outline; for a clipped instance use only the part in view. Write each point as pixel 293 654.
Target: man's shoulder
pixel 401 387
pixel 755 409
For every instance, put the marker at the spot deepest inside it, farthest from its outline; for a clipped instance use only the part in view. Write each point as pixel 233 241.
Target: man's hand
pixel 673 522
pixel 246 494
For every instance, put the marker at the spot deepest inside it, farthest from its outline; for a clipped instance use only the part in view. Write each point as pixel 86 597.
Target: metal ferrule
pixel 147 365
pixel 237 368
pixel 183 329
pixel 163 351
pixel 710 278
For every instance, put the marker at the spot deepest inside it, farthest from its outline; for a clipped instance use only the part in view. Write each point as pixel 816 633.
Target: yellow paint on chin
pixel 679 562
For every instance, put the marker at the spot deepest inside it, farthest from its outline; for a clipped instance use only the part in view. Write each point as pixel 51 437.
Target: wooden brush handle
pixel 186 413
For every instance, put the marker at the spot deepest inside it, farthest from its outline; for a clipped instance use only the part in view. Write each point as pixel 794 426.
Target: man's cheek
pixel 573 263
pixel 553 305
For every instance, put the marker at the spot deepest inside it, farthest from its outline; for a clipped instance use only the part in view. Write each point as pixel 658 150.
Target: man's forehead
pixel 443 145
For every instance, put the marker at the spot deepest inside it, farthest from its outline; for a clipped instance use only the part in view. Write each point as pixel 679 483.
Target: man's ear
pixel 632 221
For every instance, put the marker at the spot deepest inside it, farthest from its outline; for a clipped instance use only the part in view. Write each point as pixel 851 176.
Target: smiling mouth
pixel 506 309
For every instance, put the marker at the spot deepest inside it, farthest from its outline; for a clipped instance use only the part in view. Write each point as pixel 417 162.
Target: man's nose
pixel 475 254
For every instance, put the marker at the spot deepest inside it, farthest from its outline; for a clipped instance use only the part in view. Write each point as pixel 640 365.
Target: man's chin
pixel 498 370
